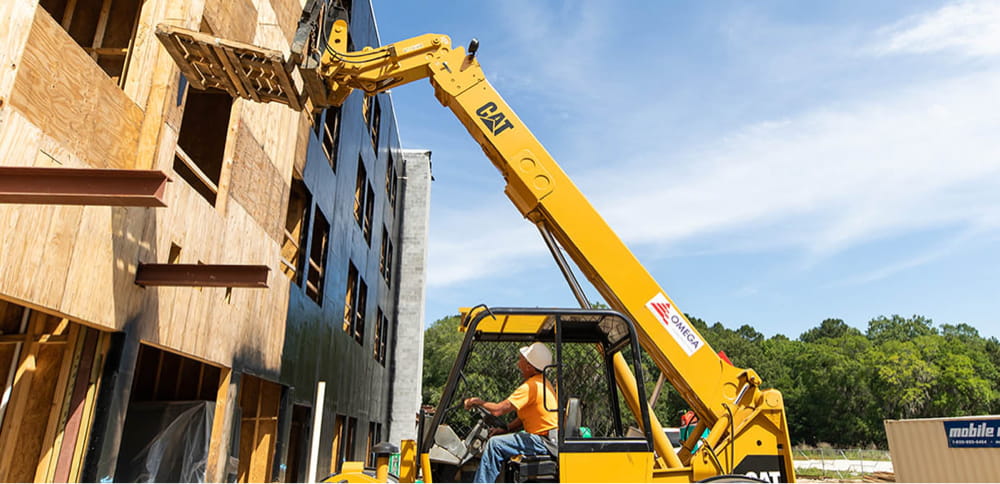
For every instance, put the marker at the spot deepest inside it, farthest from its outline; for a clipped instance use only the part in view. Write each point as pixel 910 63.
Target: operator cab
pixel 596 427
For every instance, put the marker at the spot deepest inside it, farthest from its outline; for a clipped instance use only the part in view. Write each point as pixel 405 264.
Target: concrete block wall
pixel 409 350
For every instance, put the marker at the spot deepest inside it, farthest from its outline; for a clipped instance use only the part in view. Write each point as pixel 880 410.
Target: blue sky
pixel 771 163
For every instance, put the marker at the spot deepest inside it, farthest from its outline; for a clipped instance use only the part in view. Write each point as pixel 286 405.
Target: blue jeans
pixel 502 447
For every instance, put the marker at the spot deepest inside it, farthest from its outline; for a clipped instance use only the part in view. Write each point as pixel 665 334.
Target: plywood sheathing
pixel 302 143
pixel 257 184
pixel 157 92
pixel 287 16
pixel 183 314
pixel 97 247
pixel 76 275
pixel 232 19
pixel 63 92
pixel 17 18
pixel 90 277
pixel 20 141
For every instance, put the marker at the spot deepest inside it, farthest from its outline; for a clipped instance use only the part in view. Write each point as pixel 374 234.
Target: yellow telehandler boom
pixel 747 425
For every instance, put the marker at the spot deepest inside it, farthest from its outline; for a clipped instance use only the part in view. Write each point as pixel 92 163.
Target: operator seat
pixel 545 467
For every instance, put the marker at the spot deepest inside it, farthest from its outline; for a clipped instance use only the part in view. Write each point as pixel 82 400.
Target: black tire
pixel 731 478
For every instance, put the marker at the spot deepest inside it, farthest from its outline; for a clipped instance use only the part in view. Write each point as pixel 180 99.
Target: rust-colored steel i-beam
pixel 202 275
pixel 82 186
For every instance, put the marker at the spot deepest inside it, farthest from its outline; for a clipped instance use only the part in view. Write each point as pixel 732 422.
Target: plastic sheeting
pixel 165 442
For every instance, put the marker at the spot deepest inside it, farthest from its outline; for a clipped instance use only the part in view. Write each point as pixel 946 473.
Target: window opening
pixel 201 143
pixel 373 118
pixel 317 257
pixel 337 450
pixel 296 220
pixel 391 179
pixel 374 429
pixel 360 193
pixel 105 29
pixel 347 439
pixel 381 337
pixel 366 227
pixel 329 135
pixel 360 311
pixel 385 258
pixel 349 297
pixel 174 256
pixel 298 444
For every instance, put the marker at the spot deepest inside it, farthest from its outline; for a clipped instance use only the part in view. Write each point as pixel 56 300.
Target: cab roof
pixel 606 327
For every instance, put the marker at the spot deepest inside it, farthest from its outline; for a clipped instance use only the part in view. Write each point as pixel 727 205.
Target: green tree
pixel 831 397
pixel 903 378
pixel 442 340
pixel 898 328
pixel 968 377
pixel 829 328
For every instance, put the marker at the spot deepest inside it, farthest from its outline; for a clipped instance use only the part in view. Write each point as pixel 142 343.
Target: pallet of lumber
pixel 879 477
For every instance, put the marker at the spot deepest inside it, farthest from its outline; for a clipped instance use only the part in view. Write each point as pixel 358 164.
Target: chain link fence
pixel 491 374
pixel 841 463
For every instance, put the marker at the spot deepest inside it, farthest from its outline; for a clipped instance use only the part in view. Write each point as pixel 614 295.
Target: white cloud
pixel 829 179
pixel 970 28
pixel 471 243
pixel 836 175
pixel 922 158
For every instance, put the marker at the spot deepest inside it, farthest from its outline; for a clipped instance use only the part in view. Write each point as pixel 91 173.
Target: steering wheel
pixel 490 419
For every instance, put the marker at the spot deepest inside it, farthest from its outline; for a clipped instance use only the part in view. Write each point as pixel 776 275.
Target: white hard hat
pixel 538 355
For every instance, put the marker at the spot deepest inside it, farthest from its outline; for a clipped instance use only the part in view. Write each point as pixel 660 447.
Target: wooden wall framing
pixel 164 376
pixel 260 402
pixel 51 369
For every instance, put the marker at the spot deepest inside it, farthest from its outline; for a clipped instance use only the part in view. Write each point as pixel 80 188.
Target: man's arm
pixel 497 409
pixel 513 426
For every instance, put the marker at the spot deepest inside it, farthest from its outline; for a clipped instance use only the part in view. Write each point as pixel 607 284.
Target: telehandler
pixel 596 368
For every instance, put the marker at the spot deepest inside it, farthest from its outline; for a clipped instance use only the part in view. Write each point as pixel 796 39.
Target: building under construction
pixel 192 286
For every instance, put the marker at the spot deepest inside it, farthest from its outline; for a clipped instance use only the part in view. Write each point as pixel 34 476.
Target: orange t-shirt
pixel 530 405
